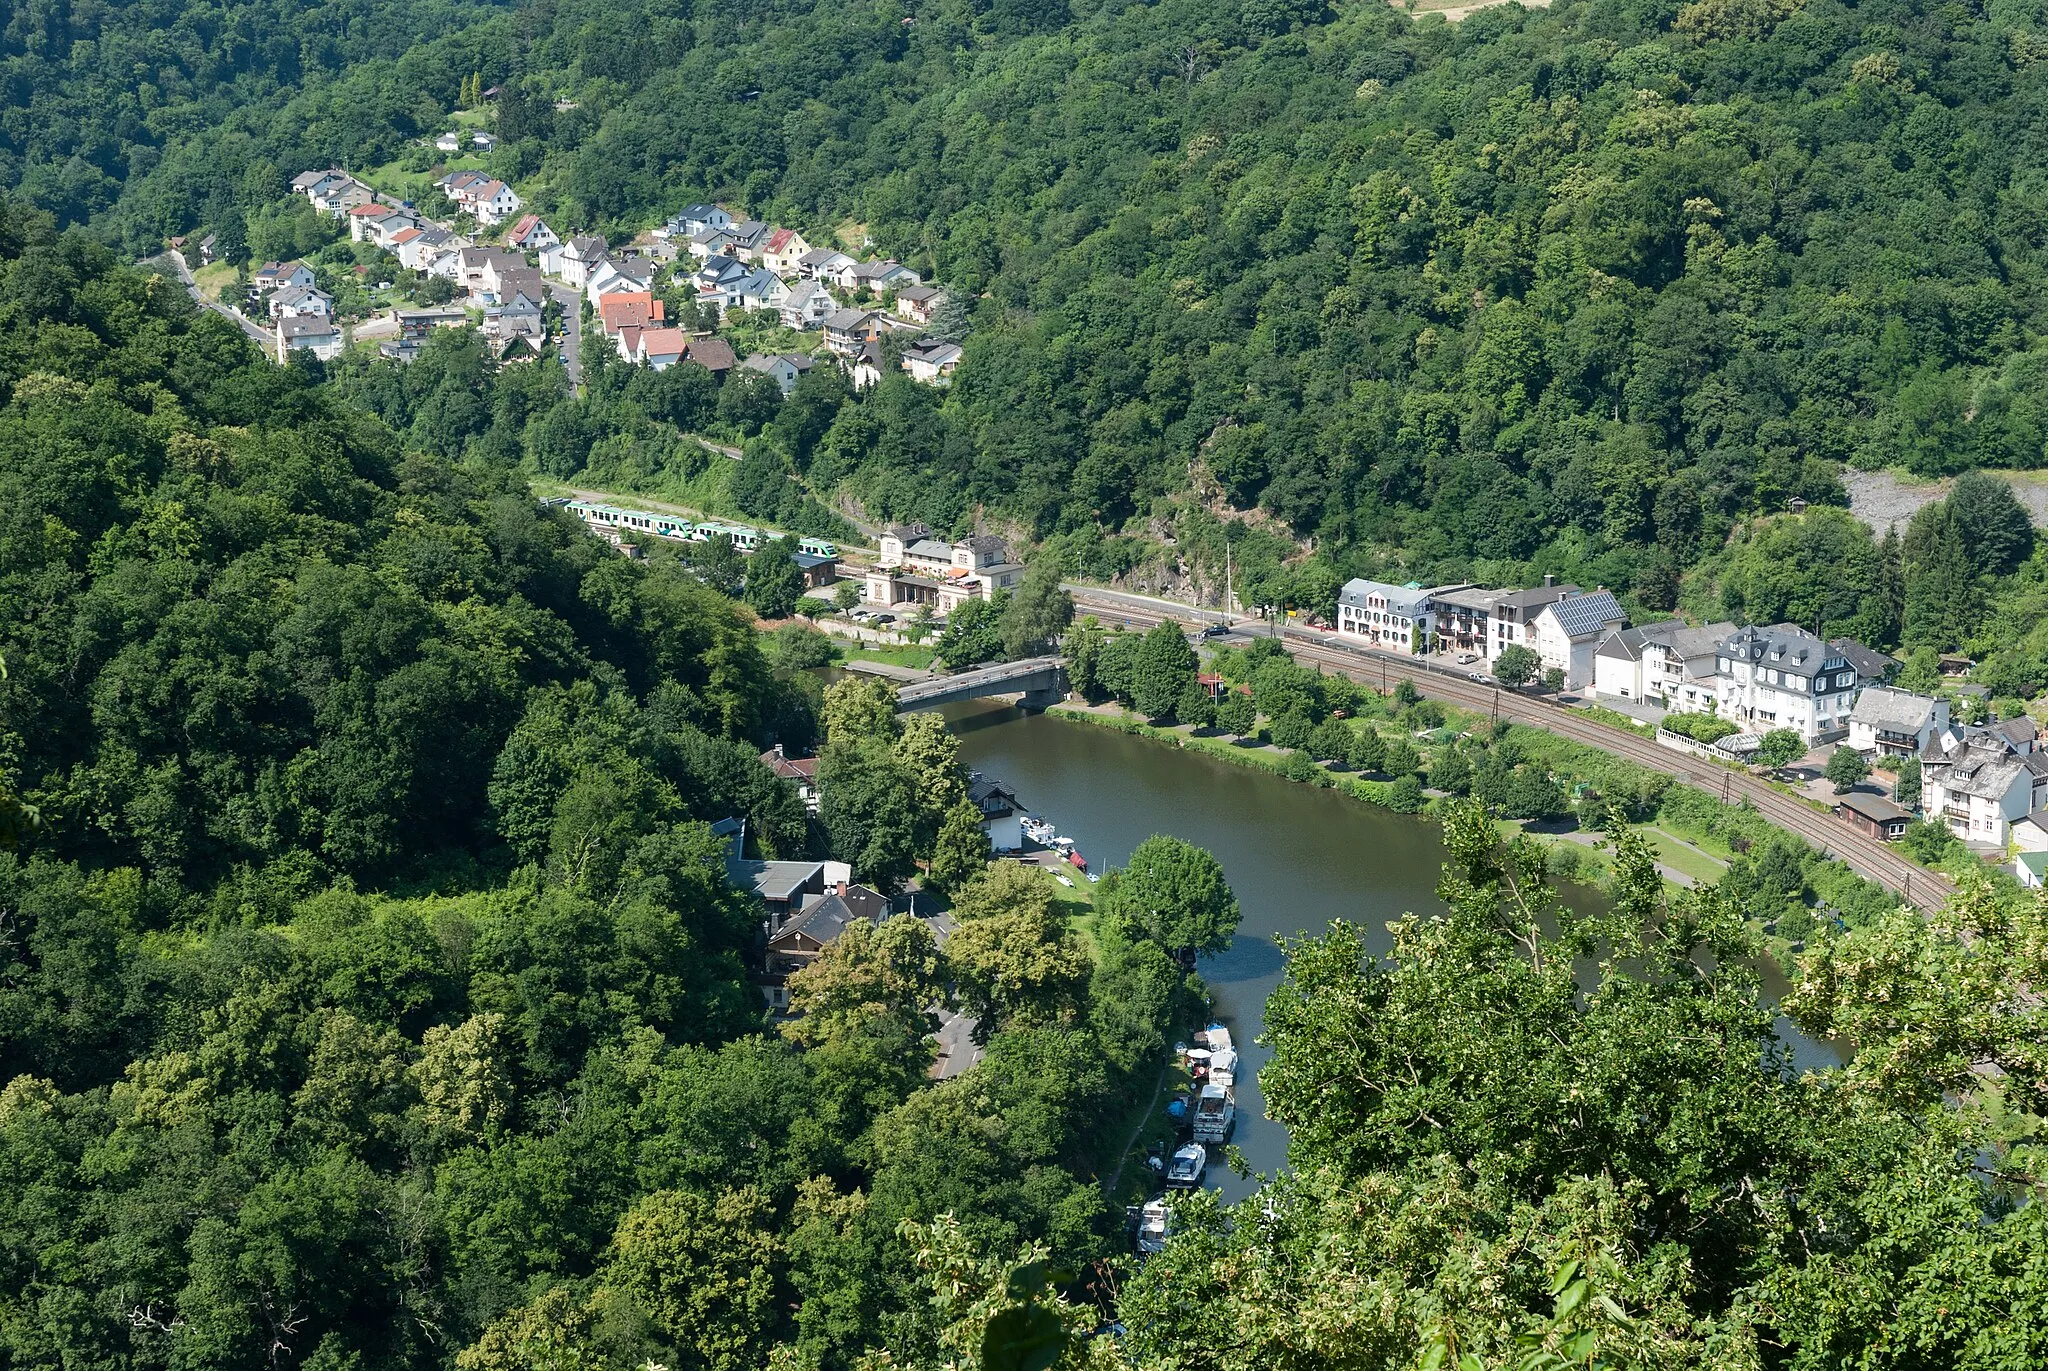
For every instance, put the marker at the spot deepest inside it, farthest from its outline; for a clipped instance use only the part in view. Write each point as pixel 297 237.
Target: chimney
pixel 842 890
pixel 778 752
pixel 1548 580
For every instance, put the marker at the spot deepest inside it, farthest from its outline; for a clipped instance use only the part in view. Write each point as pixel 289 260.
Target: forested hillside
pixel 373 991
pixel 1577 289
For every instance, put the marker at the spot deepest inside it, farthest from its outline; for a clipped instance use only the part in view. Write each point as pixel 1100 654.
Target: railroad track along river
pixel 1866 856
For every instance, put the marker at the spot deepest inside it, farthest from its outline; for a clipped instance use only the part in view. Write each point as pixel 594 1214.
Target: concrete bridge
pixel 1041 681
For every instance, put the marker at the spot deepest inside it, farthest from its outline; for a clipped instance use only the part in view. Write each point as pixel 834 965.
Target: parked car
pixel 1477 676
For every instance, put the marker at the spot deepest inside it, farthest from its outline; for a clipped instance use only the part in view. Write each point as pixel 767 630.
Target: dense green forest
pixel 1579 290
pixel 371 992
pixel 371 987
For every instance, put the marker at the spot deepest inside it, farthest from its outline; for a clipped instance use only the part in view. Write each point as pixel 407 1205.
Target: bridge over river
pixel 1039 681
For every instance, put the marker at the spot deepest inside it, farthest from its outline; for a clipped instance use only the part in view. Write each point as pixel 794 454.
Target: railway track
pixel 1866 856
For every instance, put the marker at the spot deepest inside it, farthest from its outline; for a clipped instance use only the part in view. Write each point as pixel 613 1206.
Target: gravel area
pixel 1883 498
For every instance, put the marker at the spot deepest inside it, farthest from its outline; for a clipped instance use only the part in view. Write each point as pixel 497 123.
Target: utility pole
pixel 1229 595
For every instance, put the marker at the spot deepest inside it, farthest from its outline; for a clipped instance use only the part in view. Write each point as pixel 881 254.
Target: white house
pixel 417 253
pixel 822 264
pixel 761 289
pixel 1784 677
pixel 919 303
pixel 1569 632
pixel 783 367
pixel 933 364
pixel 712 242
pixel 1002 813
pixel 363 221
pixel 333 192
pixel 1982 784
pixel 574 260
pixel 277 275
pixel 532 234
pixel 1896 723
pixel 314 333
pixel 661 348
pixel 694 219
pixel 493 203
pixel 450 141
pixel 847 331
pixel 314 184
pixel 883 276
pixel 1665 662
pixel 1395 618
pixel 2030 833
pixel 807 305
pixel 614 274
pixel 297 302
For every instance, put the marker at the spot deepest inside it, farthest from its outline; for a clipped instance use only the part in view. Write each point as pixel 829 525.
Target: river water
pixel 1297 857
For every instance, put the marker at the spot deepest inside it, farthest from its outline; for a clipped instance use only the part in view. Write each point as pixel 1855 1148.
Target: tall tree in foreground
pixel 1173 893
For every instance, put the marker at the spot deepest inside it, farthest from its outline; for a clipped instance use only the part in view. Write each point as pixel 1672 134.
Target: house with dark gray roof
pixel 1896 723
pixel 1390 617
pixel 1874 815
pixel 803 937
pixel 1979 787
pixel 1666 662
pixel 1872 667
pixel 1002 813
pixel 1569 632
pixel 1782 677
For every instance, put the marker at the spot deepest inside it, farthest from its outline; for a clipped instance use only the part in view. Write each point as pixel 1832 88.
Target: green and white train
pixel 680 530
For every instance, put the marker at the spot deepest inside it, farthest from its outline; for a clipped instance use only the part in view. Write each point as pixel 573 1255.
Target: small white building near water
pixel 1002 813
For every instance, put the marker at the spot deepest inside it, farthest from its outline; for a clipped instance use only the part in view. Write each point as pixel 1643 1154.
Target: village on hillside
pixel 660 301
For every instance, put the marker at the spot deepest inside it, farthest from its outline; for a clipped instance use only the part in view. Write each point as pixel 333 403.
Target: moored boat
pixel 1155 1225
pixel 1186 1169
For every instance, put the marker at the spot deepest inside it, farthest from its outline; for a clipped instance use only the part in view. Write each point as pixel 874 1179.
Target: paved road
pixel 571 301
pixel 263 338
pixel 1866 856
pixel 957 1049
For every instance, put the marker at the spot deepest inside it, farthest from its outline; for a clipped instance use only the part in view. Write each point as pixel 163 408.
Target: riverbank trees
pixel 1490 1158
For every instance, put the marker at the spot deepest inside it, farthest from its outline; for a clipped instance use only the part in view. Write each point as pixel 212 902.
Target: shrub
pixel 1404 795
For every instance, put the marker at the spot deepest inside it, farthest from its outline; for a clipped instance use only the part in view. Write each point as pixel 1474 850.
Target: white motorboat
pixel 1189 1163
pixel 1215 1112
pixel 1154 1226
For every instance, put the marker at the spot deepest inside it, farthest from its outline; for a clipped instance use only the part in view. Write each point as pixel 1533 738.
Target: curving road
pixel 1866 856
pixel 263 338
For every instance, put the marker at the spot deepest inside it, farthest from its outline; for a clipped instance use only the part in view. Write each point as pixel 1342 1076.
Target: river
pixel 1297 857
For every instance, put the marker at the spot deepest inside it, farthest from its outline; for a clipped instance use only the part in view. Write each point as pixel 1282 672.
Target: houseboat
pixel 1215 1106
